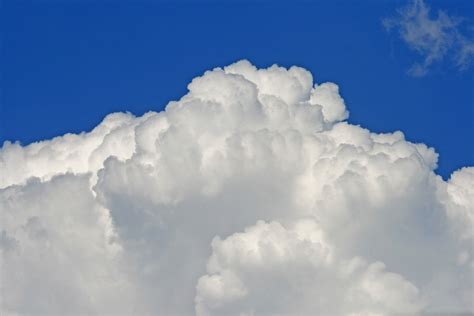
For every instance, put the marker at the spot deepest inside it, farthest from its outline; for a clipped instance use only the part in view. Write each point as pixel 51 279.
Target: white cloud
pixel 270 270
pixel 432 38
pixel 324 215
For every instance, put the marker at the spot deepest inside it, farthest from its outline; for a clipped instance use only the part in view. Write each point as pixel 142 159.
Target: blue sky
pixel 66 64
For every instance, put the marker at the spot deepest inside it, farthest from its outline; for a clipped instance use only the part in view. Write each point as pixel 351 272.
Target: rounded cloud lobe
pixel 250 195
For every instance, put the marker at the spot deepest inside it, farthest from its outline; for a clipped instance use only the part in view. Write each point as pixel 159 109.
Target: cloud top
pixel 251 195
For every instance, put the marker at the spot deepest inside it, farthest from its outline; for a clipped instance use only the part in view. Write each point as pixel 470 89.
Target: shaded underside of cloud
pixel 251 195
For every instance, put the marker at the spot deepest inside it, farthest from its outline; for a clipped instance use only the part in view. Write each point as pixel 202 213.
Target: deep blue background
pixel 66 64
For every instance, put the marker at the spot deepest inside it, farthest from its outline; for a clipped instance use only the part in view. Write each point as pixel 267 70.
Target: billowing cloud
pixel 270 270
pixel 432 38
pixel 251 195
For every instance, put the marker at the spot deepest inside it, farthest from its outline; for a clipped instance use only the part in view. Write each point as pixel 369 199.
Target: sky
pixel 237 159
pixel 67 64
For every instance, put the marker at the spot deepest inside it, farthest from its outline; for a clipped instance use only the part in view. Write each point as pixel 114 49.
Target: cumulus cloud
pixel 303 275
pixel 433 39
pixel 251 195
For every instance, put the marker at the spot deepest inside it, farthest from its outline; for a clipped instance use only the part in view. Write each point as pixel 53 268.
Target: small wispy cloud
pixel 433 38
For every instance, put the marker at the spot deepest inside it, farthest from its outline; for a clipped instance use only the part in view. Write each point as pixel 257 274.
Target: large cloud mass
pixel 250 195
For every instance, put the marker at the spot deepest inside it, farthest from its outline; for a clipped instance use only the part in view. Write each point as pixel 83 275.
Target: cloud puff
pixel 433 39
pixel 249 195
pixel 270 270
